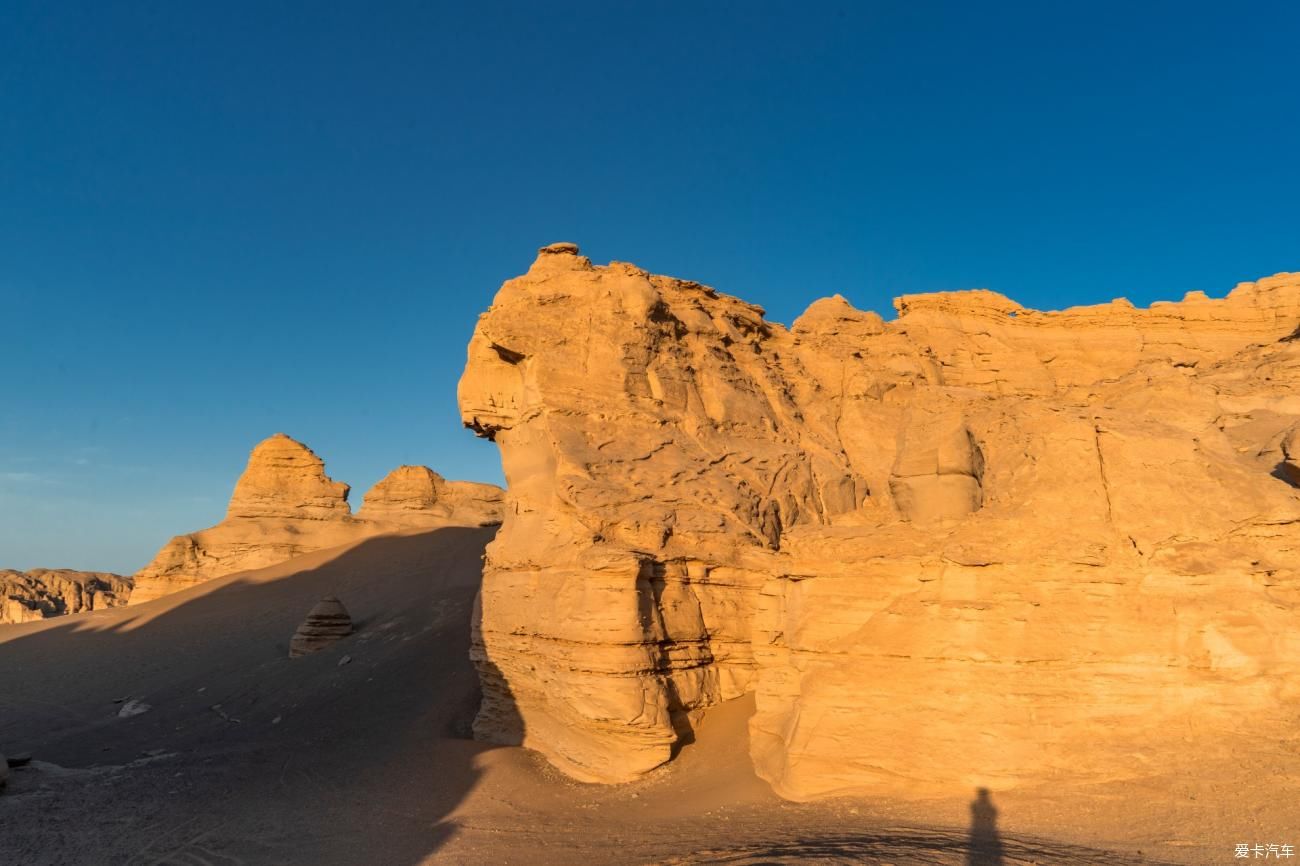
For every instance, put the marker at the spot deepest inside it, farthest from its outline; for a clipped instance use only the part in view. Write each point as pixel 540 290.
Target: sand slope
pixel 326 763
pixel 246 757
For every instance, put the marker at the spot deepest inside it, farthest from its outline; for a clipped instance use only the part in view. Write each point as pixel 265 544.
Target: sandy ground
pixel 247 757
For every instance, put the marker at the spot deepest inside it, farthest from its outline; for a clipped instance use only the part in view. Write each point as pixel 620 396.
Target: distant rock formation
pixel 284 505
pixel 416 494
pixel 327 622
pixel 285 478
pixel 46 592
pixel 976 545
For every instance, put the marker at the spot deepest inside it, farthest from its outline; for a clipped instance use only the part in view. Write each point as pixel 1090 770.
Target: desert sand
pixel 244 755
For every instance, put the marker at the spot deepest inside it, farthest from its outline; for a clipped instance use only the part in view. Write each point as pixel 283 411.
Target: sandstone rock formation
pixel 46 592
pixel 327 622
pixel 285 478
pixel 976 545
pixel 284 505
pixel 412 495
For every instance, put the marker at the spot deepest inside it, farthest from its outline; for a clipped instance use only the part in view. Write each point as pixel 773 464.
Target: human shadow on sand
pixel 981 845
pixel 355 754
pixel 985 846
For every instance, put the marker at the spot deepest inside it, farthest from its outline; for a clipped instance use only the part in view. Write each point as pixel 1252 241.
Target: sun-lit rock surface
pixel 976 545
pixel 285 478
pixel 415 494
pixel 46 592
pixel 284 505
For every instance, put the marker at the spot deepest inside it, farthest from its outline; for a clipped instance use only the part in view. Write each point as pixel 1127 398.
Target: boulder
pixel 326 623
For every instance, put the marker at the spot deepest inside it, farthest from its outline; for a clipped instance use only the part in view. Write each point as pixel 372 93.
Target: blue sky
pixel 219 221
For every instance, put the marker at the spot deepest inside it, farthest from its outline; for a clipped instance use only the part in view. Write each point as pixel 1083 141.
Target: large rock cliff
pixel 284 505
pixel 976 545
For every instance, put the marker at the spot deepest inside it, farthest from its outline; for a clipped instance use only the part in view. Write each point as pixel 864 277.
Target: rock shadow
pixel 1284 472
pixel 354 754
pixel 982 844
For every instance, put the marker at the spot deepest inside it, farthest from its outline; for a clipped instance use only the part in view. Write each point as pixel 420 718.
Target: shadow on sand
pixel 356 754
pixel 981 845
pixel 985 846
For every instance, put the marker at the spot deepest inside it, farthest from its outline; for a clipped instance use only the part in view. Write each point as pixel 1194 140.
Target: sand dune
pixel 244 756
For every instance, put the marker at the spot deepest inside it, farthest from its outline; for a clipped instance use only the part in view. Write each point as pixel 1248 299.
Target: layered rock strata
pixel 328 622
pixel 976 545
pixel 46 592
pixel 284 505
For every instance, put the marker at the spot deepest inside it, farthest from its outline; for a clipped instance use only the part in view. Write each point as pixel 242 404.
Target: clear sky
pixel 223 220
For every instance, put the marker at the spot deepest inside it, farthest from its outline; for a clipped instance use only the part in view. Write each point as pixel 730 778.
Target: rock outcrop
pixel 976 545
pixel 285 478
pixel 416 494
pixel 284 505
pixel 46 592
pixel 328 622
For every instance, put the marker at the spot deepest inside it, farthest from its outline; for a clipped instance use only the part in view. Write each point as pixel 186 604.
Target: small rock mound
pixel 561 249
pixel 554 258
pixel 327 623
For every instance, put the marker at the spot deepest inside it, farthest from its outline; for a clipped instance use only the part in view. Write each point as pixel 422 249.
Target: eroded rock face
pixel 46 592
pixel 285 478
pixel 939 470
pixel 977 545
pixel 413 494
pixel 284 505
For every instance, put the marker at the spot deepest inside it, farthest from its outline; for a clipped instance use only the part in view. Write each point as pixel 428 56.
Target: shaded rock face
pixel 284 505
pixel 327 623
pixel 46 592
pixel 977 545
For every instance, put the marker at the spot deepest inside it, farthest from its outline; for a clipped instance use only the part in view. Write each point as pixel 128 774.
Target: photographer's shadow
pixel 985 845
